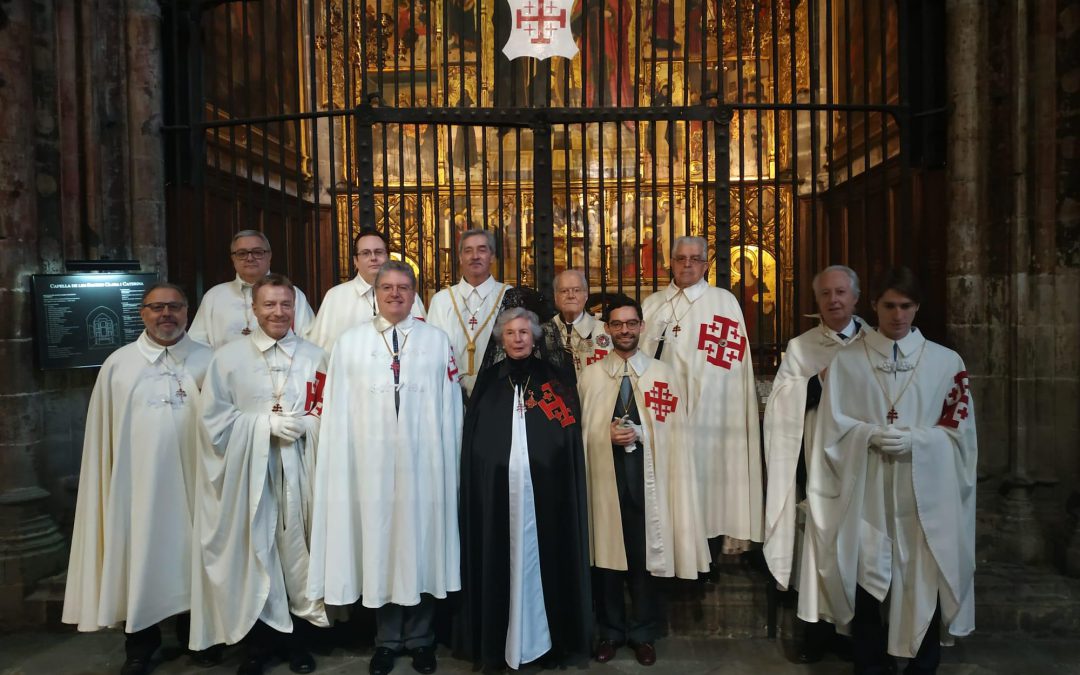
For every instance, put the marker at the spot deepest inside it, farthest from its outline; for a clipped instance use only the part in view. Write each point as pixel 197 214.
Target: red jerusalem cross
pixel 472 322
pixel 541 17
pixel 660 400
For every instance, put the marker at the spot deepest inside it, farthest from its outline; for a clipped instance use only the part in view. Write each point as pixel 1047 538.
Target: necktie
pixel 569 330
pixel 842 337
pixel 397 375
pixel 625 392
pixel 896 359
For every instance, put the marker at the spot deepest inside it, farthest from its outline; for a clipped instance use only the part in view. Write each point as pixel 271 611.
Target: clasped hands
pixel 624 433
pixel 290 427
pixel 891 441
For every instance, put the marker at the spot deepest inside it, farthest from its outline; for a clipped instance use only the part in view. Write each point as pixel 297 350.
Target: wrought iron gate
pixel 734 120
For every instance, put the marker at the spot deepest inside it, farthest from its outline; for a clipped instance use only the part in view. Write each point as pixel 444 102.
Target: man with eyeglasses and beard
pixel 131 547
pixel 699 331
pixel 642 491
pixel 225 312
pixel 353 302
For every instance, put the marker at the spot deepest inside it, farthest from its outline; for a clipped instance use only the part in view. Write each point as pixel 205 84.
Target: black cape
pixel 557 466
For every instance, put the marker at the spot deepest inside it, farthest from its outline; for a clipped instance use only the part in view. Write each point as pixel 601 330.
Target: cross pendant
pixel 521 408
pixel 246 331
pixel 181 394
pixel 473 322
pixel 396 367
pixel 892 416
pixel 277 408
pixel 675 330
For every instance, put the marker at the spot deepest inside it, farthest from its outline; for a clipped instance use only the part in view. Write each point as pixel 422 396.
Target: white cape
pixel 237 565
pixel 902 528
pixel 385 525
pixel 130 550
pixel 225 312
pixel 344 306
pixel 787 424
pixel 710 355
pixel 675 543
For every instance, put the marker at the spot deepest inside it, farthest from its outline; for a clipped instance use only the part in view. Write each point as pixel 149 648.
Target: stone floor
pixel 63 653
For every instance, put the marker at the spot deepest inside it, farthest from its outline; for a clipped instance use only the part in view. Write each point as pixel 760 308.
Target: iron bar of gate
pixel 543 215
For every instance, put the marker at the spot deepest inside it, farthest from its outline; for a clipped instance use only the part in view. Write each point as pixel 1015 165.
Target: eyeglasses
pixel 389 288
pixel 692 259
pixel 255 253
pixel 632 324
pixel 159 307
pixel 571 291
pixel 372 253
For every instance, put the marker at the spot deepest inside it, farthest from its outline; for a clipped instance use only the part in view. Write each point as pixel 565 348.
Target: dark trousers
pixel 645 596
pixel 870 639
pixel 398 627
pixel 263 642
pixel 143 643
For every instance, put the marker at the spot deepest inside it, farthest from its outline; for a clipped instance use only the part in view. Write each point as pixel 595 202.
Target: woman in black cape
pixel 556 467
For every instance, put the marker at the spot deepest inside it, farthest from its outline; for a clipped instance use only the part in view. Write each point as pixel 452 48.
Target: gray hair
pixel 852 277
pixel 251 233
pixel 396 266
pixel 692 241
pixel 476 232
pixel 160 285
pixel 579 273
pixel 508 315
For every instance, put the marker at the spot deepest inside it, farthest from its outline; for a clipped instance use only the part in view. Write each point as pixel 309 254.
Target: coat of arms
pixel 540 29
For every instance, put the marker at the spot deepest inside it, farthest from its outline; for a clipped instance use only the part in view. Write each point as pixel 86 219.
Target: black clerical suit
pixel 644 626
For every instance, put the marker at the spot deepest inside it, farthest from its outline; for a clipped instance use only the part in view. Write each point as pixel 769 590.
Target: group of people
pixel 261 474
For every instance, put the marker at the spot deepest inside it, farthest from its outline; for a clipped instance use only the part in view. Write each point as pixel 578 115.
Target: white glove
pixel 286 428
pixel 891 441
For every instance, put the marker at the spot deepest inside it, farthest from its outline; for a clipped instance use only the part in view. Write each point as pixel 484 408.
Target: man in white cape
pixel 225 310
pixel 466 311
pixel 789 428
pixel 892 491
pixel 353 302
pixel 130 551
pixel 260 412
pixel 699 331
pixel 583 337
pixel 385 527
pixel 644 519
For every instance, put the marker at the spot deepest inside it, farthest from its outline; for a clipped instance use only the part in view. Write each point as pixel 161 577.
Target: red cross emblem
pixel 955 408
pixel 451 368
pixel 660 400
pixel 554 407
pixel 313 402
pixel 721 342
pixel 596 356
pixel 542 19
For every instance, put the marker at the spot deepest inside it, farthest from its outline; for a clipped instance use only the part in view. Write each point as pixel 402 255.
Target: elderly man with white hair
pixel 699 331
pixel 583 336
pixel 789 427
pixel 225 312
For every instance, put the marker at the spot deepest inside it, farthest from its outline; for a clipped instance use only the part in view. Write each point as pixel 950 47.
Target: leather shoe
pixel 605 651
pixel 809 653
pixel 301 661
pixel 209 657
pixel 135 666
pixel 423 659
pixel 382 661
pixel 644 652
pixel 251 665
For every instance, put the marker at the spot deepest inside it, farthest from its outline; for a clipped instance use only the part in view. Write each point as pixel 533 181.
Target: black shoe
pixel 809 653
pixel 135 665
pixel 301 661
pixel 209 657
pixel 251 665
pixel 382 661
pixel 423 660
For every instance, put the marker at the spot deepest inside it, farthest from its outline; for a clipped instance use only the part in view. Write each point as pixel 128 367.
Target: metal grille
pixel 772 128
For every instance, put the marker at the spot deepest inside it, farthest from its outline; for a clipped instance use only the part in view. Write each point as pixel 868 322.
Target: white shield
pixel 540 29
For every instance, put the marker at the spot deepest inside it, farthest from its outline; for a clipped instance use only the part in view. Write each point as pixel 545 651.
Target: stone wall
pixel 81 176
pixel 1013 279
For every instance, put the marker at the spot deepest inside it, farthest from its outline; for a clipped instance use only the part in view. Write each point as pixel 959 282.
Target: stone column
pixel 31 547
